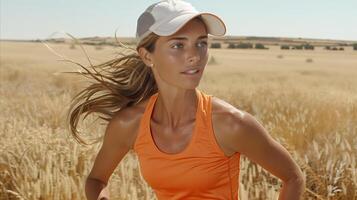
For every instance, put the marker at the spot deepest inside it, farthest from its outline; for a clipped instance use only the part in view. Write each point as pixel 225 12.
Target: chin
pixel 190 86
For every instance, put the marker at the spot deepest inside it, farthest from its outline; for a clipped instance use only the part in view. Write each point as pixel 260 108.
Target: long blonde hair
pixel 120 83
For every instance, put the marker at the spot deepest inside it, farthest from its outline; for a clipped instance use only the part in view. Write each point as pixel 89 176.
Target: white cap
pixel 166 17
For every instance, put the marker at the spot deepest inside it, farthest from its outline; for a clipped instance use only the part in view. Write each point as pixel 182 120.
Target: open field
pixel 307 100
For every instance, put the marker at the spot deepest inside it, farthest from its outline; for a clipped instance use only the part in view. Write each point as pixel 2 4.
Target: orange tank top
pixel 200 171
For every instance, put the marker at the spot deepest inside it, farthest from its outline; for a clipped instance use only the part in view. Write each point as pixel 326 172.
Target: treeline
pixel 247 45
pixel 240 45
pixel 301 46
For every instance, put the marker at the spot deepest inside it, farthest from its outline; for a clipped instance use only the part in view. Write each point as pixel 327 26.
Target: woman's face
pixel 184 50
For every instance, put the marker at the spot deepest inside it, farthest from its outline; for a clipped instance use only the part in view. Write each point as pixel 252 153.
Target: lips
pixel 191 71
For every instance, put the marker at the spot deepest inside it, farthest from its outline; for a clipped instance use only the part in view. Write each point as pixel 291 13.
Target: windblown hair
pixel 118 83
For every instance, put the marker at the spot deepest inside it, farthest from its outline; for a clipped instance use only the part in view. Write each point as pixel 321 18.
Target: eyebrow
pixel 184 38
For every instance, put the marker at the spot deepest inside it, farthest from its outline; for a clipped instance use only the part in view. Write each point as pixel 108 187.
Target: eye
pixel 176 44
pixel 204 43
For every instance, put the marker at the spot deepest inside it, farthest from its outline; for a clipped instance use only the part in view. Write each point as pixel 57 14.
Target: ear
pixel 146 56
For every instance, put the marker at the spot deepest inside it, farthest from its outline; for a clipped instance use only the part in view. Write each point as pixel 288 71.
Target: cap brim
pixel 215 25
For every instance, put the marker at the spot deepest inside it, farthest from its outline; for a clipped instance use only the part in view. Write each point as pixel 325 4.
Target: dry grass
pixel 310 108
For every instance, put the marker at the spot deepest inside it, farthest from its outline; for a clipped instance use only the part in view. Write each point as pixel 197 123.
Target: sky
pixel 318 19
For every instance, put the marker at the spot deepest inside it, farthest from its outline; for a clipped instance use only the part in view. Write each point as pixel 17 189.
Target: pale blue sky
pixel 37 19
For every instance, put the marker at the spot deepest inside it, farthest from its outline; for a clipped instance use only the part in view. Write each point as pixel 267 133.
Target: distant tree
pixel 341 49
pixel 334 49
pixel 216 45
pixel 284 47
pixel 299 47
pixel 244 45
pixel 327 47
pixel 308 47
pixel 100 43
pixel 260 46
pixel 231 46
pixel 354 46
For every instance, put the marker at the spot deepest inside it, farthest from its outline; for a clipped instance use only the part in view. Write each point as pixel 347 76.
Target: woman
pixel 188 143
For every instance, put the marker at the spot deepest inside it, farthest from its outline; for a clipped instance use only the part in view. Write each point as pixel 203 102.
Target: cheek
pixel 175 56
pixel 172 61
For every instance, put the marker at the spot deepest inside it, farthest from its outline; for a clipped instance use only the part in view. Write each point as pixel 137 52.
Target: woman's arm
pixel 251 139
pixel 117 142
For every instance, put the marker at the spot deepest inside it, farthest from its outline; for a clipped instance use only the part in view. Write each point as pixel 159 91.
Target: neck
pixel 174 108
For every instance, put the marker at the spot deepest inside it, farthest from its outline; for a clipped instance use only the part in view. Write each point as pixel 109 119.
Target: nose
pixel 193 55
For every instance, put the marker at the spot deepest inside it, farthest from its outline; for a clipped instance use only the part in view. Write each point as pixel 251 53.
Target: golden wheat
pixel 310 108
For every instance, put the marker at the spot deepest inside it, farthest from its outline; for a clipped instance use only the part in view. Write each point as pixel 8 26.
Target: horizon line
pixel 210 36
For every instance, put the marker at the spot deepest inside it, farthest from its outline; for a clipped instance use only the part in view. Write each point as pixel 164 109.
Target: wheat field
pixel 307 100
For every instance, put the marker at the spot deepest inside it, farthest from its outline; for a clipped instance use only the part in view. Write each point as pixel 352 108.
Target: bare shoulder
pixel 242 132
pixel 125 124
pixel 224 120
pixel 231 125
pixel 225 109
pixel 225 114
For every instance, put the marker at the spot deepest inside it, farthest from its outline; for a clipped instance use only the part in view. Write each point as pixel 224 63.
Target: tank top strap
pixel 204 109
pixel 142 138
